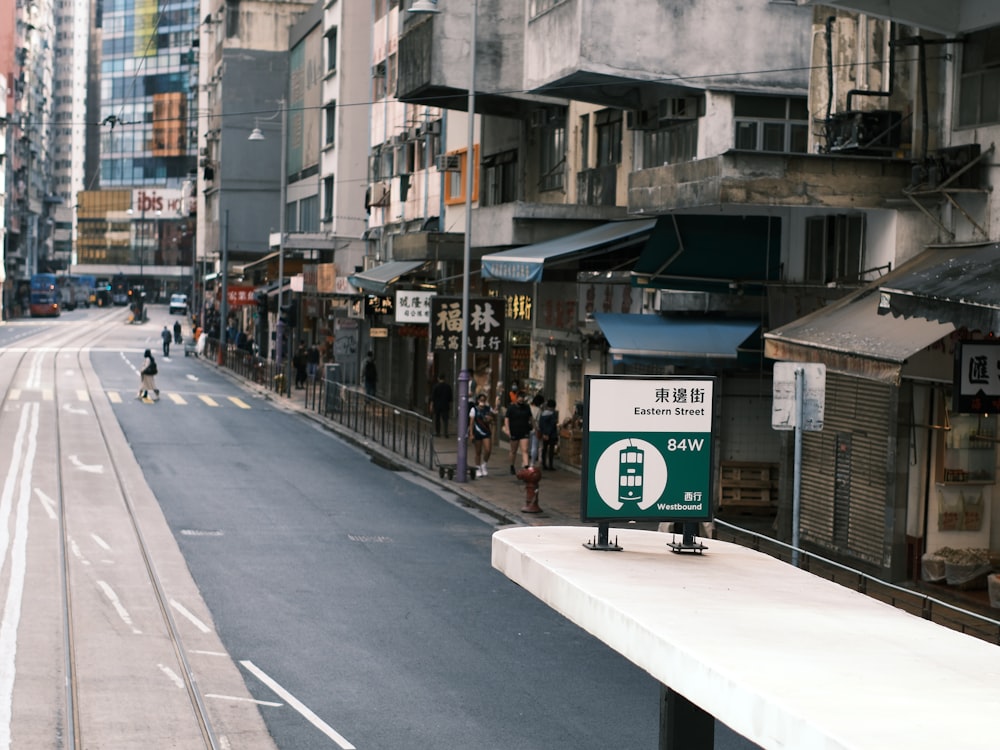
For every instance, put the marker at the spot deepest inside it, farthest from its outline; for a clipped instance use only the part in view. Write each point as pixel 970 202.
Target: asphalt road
pixel 360 602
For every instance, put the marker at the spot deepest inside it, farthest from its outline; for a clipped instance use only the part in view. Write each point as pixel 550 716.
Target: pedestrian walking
pixel 481 418
pixel 165 335
pixel 535 445
pixel 312 363
pixel 177 332
pixel 147 383
pixel 548 430
pixel 517 425
pixel 299 363
pixel 441 398
pixel 370 375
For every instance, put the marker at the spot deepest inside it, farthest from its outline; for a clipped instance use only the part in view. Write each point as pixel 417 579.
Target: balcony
pixel 752 178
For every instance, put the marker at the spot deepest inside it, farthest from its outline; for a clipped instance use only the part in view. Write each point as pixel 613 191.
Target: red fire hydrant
pixel 531 476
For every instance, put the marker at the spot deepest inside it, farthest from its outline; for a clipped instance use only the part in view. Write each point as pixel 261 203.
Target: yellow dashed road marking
pixel 209 400
pixel 82 395
pixel 47 394
pixel 114 397
pixel 239 403
pixel 14 394
pixel 177 398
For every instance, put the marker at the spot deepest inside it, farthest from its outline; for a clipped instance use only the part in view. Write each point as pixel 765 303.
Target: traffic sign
pixel 647 452
pixel 784 415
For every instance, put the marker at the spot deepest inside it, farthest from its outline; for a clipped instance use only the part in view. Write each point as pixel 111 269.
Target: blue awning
pixel 526 263
pixel 658 337
pixel 377 280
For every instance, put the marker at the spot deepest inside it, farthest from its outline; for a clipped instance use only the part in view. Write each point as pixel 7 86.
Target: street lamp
pixel 461 459
pixel 257 135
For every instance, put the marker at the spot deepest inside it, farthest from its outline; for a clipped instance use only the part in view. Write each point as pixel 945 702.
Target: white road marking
pixel 20 464
pixel 244 700
pixel 100 542
pixel 69 408
pixel 194 620
pixel 172 675
pixel 47 502
pixel 192 377
pixel 92 468
pixel 119 607
pixel 294 702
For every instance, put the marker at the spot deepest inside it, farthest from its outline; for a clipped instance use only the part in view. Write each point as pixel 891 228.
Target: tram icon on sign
pixel 630 473
pixel 630 468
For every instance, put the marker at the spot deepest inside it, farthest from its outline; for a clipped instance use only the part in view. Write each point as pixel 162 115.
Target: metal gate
pixel 846 469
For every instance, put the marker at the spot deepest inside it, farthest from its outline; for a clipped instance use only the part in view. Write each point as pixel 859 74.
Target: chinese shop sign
pixel 486 324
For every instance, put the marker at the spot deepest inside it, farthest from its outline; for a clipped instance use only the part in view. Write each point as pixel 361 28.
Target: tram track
pixel 108 666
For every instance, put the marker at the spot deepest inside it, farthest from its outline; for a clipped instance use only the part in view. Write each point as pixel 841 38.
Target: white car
pixel 178 303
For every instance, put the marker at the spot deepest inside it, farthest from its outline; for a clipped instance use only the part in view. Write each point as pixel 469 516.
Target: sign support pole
pixel 602 541
pixel 797 480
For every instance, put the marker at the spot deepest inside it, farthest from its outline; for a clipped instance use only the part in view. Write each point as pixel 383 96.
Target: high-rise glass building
pixel 135 214
pixel 148 91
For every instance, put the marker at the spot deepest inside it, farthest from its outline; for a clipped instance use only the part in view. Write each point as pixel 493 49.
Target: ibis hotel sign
pixel 647 450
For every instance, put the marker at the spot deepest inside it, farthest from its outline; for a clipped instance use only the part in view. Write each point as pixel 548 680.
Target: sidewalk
pixel 501 493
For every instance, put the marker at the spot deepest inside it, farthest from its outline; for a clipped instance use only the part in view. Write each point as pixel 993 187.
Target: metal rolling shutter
pixel 845 469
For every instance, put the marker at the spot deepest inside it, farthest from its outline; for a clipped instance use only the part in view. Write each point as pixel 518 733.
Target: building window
pixel 379 73
pixel 772 123
pixel 500 173
pixel 331 50
pixel 328 198
pixel 608 123
pixel 835 248
pixel 454 183
pixel 669 145
pixel 979 95
pixel 551 157
pixel 584 141
pixel 232 19
pixel 330 129
pixel 309 214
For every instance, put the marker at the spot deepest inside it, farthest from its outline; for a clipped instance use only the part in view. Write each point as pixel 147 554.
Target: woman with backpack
pixel 148 375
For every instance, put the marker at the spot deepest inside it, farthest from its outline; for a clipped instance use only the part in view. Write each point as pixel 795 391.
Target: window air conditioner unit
pixel 448 163
pixel 378 194
pixel 640 119
pixel 678 108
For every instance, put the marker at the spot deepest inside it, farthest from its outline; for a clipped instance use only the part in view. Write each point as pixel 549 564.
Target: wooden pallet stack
pixel 748 487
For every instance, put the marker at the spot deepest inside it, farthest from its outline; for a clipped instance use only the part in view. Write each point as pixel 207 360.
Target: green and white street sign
pixel 647 450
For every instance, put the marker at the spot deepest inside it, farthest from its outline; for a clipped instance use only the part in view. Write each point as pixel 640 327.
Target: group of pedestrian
pixel 167 337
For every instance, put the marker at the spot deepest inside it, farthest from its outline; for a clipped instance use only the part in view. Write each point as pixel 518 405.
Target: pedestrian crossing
pixel 181 399
pixel 118 397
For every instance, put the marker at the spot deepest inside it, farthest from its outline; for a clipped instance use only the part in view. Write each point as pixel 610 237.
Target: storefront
pixel 871 479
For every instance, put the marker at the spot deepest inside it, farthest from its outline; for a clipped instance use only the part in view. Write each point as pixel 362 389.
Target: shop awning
pixel 632 337
pixel 527 263
pixel 960 285
pixel 849 336
pixel 377 280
